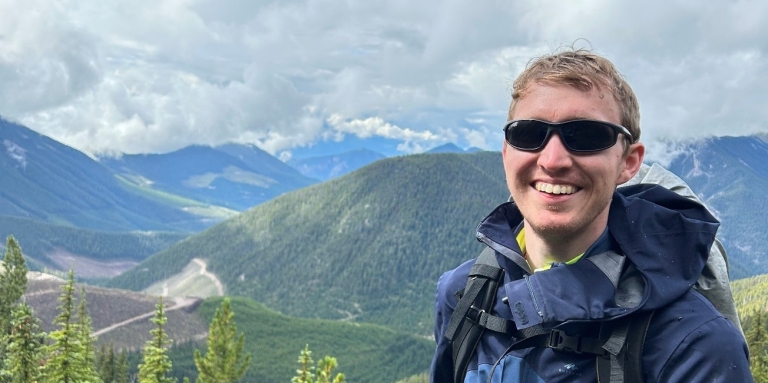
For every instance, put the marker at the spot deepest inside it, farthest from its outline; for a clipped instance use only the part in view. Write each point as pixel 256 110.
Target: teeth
pixel 554 189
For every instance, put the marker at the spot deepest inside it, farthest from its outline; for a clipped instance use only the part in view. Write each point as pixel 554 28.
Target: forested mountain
pixel 45 180
pixel 235 176
pixel 751 294
pixel 371 245
pixel 368 246
pixel 730 175
pixel 366 353
pixel 92 253
pixel 326 167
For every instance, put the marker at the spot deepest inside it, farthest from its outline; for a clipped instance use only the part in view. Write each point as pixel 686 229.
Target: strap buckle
pixel 559 340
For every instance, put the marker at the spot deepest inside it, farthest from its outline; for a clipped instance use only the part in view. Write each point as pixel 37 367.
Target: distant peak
pixel 446 148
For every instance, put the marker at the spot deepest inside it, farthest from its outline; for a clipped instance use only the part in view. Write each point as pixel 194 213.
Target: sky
pixel 301 77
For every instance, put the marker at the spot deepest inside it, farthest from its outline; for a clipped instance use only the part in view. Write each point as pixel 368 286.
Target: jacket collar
pixel 644 221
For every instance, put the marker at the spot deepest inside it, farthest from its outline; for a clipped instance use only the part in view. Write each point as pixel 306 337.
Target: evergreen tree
pixel 84 324
pixel 156 363
pixel 306 372
pixel 325 368
pixel 122 375
pixel 13 284
pixel 106 363
pixel 757 340
pixel 224 362
pixel 24 347
pixel 13 280
pixel 67 355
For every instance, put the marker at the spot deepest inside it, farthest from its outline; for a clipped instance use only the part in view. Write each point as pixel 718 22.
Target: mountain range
pixel 366 246
pixel 370 245
pixel 45 180
pixel 234 176
pixel 326 167
pixel 729 175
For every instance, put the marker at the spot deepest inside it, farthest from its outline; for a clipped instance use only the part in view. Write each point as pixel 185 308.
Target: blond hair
pixel 584 70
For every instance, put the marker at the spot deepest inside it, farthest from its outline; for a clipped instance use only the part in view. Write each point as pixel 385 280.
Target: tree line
pixel 68 354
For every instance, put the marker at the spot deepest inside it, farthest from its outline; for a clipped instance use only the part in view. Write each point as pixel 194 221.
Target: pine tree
pixel 84 324
pixel 24 347
pixel 121 369
pixel 13 280
pixel 13 284
pixel 67 355
pixel 757 340
pixel 324 370
pixel 305 373
pixel 224 362
pixel 106 363
pixel 155 355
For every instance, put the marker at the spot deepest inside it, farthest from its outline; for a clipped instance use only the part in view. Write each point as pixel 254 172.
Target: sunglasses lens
pixel 577 136
pixel 527 134
pixel 587 136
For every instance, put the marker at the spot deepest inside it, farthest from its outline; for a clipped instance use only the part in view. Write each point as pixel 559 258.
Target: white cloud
pixel 155 75
pixel 413 141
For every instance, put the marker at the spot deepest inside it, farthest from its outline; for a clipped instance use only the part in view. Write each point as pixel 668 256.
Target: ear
pixel 632 162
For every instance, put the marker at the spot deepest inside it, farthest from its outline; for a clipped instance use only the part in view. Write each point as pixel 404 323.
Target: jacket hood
pixel 665 238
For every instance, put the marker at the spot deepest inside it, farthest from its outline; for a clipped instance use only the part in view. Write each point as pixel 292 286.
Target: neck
pixel 543 248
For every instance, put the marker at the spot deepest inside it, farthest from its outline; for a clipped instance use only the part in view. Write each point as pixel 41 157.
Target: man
pixel 578 255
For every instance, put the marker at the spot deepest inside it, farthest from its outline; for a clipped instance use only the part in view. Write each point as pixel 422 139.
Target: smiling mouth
pixel 555 189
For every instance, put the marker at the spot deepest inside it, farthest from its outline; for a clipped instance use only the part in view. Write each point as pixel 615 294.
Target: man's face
pixel 587 181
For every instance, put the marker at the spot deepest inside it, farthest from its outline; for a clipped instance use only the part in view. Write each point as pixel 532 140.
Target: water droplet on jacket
pixel 679 318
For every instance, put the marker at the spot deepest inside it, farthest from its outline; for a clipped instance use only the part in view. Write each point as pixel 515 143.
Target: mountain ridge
pixel 235 176
pixel 338 236
pixel 51 182
pixel 377 239
pixel 335 165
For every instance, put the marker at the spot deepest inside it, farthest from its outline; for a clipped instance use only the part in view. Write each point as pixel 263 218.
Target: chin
pixel 556 230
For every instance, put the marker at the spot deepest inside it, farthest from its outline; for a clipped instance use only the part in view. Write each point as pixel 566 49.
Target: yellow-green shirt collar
pixel 547 261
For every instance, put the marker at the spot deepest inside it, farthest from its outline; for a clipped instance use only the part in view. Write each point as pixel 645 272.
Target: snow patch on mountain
pixel 16 152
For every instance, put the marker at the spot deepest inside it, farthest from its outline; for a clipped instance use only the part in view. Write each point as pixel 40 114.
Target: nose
pixel 554 156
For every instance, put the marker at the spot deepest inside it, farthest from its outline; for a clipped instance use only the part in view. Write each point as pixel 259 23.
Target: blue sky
pixel 302 76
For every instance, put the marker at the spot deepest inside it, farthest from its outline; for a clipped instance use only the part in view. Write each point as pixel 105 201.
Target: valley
pixel 329 257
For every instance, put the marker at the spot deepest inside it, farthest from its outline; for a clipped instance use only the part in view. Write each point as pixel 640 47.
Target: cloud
pixel 375 126
pixel 45 59
pixel 154 76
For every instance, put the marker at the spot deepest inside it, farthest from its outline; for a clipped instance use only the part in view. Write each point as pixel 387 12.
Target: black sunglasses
pixel 578 136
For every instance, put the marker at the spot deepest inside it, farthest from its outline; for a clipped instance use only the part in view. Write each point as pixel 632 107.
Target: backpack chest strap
pixel 561 341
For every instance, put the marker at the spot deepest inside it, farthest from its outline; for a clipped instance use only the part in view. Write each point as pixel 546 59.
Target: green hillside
pixel 751 294
pixel 366 353
pixel 57 247
pixel 368 246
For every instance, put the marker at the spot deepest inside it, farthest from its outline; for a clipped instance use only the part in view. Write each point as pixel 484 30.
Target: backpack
pixel 621 338
pixel 618 349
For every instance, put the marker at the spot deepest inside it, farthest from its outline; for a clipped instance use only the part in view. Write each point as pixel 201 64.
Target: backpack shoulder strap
pixel 472 317
pixel 623 362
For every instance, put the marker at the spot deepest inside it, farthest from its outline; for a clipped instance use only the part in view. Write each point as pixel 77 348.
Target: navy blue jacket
pixel 667 237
